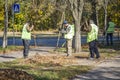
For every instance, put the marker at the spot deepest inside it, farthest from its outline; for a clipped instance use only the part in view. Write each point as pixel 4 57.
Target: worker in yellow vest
pixel 92 40
pixel 26 37
pixel 109 32
pixel 68 35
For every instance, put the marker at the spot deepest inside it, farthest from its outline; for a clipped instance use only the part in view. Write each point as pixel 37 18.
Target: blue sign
pixel 16 8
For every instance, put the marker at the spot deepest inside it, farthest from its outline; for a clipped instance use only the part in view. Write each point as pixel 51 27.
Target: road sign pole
pixel 13 27
pixel 15 9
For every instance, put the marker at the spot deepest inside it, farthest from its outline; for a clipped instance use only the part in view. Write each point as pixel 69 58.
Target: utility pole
pixel 4 45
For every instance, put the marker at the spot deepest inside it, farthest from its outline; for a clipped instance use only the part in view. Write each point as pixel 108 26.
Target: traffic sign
pixel 16 8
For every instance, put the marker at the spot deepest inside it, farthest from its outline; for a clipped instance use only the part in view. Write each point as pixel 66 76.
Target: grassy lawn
pixel 56 67
pixel 10 48
pixel 45 72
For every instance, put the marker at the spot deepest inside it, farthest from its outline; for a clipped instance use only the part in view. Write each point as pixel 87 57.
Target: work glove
pixel 63 31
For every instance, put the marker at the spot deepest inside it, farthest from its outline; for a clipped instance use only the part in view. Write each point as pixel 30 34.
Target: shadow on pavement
pixel 112 73
pixel 8 57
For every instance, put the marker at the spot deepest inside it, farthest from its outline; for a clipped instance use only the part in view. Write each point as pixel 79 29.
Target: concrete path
pixel 108 70
pixel 19 54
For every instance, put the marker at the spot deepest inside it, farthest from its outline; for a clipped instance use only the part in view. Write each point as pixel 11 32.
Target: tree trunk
pixel 105 11
pixel 76 9
pixel 105 20
pixel 97 18
pixel 62 19
pixel 77 37
pixel 6 25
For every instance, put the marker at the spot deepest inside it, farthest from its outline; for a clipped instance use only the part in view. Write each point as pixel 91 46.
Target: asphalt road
pixel 40 41
pixel 45 41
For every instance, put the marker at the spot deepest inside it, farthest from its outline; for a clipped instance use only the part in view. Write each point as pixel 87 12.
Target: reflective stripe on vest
pixel 111 27
pixel 25 33
pixel 93 34
pixel 70 34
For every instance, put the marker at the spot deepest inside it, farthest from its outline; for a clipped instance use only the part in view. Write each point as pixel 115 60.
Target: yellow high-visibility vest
pixel 25 34
pixel 93 34
pixel 111 27
pixel 70 34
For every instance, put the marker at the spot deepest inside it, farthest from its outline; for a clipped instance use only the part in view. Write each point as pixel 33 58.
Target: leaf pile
pixel 85 46
pixel 12 74
pixel 53 60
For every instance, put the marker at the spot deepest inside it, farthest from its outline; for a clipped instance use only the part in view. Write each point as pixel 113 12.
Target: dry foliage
pixel 53 60
pixel 12 74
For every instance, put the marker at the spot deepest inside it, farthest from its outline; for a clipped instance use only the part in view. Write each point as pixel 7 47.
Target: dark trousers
pixel 109 38
pixel 26 47
pixel 93 49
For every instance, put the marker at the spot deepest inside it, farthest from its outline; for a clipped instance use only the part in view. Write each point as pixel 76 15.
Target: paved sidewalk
pixel 108 70
pixel 19 54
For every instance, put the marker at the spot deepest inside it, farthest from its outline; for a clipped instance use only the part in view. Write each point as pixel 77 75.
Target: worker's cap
pixel 65 22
